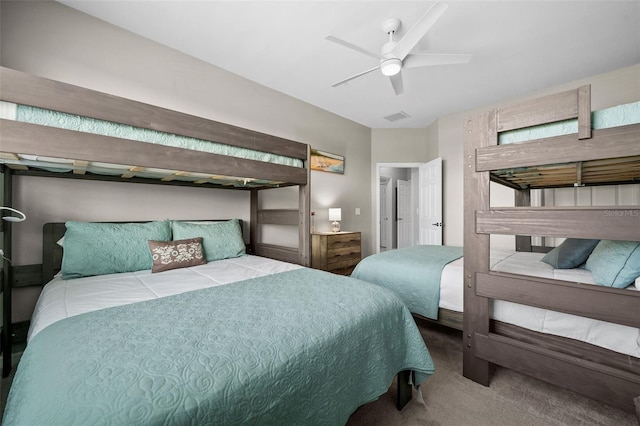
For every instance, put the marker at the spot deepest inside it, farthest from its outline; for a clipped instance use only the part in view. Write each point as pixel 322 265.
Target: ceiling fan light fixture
pixel 391 66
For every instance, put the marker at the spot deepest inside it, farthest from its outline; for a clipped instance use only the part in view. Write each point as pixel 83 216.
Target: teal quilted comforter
pixel 413 273
pixel 299 347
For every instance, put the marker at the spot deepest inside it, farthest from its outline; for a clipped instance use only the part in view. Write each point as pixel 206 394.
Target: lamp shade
pixel 335 214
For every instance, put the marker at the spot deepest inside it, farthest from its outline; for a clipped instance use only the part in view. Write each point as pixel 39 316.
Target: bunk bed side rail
pixel 615 142
pixel 561 106
pixel 595 380
pixel 26 138
pixel 26 89
pixel 586 300
pixel 622 222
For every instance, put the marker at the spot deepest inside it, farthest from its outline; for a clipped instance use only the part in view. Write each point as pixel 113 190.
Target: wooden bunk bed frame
pixel 598 373
pixel 24 138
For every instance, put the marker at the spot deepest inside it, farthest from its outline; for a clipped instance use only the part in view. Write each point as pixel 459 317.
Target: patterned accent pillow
pixel 176 254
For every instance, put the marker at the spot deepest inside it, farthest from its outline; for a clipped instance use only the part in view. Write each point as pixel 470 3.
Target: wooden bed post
pixel 304 236
pixel 480 132
pixel 304 209
pixel 523 199
pixel 253 221
pixel 6 274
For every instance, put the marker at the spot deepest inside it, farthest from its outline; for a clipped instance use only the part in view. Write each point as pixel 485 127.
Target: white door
pixel 430 195
pixel 404 214
pixel 385 195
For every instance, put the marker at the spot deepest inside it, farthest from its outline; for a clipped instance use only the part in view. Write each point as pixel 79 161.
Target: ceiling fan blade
pixel 396 82
pixel 415 34
pixel 346 80
pixel 429 60
pixel 351 46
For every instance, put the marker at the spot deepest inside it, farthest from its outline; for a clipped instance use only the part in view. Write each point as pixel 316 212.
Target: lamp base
pixel 335 226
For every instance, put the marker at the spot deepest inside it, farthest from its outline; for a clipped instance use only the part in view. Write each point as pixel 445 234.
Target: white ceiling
pixel 517 46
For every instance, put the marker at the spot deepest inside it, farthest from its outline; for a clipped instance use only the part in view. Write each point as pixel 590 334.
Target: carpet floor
pixel 512 399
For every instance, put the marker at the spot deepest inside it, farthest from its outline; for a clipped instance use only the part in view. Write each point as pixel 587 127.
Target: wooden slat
pixel 22 88
pixel 286 254
pixel 615 142
pixel 584 112
pixel 80 167
pixel 611 223
pixel 26 138
pixel 572 347
pixel 557 107
pixel 278 217
pixel 604 383
pixel 626 169
pixel 522 198
pixel 586 300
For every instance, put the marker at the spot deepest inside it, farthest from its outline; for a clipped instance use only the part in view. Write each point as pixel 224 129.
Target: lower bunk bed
pixel 228 339
pixel 430 280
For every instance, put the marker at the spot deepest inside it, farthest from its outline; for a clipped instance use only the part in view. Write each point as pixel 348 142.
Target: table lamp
pixel 335 215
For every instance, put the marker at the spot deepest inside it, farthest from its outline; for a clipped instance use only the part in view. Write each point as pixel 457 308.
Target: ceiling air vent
pixel 397 116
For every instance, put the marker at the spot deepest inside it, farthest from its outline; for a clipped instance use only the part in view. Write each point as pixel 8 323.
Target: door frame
pixel 387 202
pixel 376 226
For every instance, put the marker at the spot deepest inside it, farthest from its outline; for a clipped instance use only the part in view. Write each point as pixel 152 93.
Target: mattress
pixel 619 338
pixel 276 344
pixel 66 298
pixel 619 115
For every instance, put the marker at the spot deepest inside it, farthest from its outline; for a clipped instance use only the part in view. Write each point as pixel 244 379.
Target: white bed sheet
pixel 619 338
pixel 65 298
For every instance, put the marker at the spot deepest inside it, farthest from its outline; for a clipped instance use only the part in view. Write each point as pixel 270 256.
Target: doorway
pixel 408 204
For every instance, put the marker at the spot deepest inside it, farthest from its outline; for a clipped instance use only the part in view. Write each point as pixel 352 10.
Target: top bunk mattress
pixel 619 115
pixel 61 120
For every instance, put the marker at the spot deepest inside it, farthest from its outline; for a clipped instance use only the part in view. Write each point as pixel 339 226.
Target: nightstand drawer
pixel 336 252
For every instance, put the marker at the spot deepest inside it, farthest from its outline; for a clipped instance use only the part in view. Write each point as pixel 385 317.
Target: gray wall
pixel 54 41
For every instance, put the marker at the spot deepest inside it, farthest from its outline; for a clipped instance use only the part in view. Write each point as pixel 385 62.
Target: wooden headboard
pixel 52 251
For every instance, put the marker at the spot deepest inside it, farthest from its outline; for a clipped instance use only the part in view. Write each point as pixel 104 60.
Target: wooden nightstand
pixel 337 252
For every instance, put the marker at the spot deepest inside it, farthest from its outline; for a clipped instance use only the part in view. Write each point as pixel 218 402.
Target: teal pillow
pixel 615 263
pixel 109 248
pixel 571 253
pixel 220 240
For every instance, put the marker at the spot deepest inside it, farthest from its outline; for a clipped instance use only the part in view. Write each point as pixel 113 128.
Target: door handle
pixel 437 224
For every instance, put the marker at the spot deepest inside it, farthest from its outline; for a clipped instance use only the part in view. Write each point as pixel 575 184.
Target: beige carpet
pixel 512 399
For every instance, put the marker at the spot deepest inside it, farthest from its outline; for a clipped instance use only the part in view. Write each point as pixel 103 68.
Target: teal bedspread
pixel 299 347
pixel 413 273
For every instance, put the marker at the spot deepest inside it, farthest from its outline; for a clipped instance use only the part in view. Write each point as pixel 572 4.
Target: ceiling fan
pixel 396 55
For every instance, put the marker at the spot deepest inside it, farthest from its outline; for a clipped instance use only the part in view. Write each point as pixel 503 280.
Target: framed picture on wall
pixel 326 162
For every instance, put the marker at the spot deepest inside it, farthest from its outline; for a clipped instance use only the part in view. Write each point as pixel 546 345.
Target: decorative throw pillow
pixel 109 248
pixel 571 253
pixel 220 240
pixel 615 263
pixel 176 254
